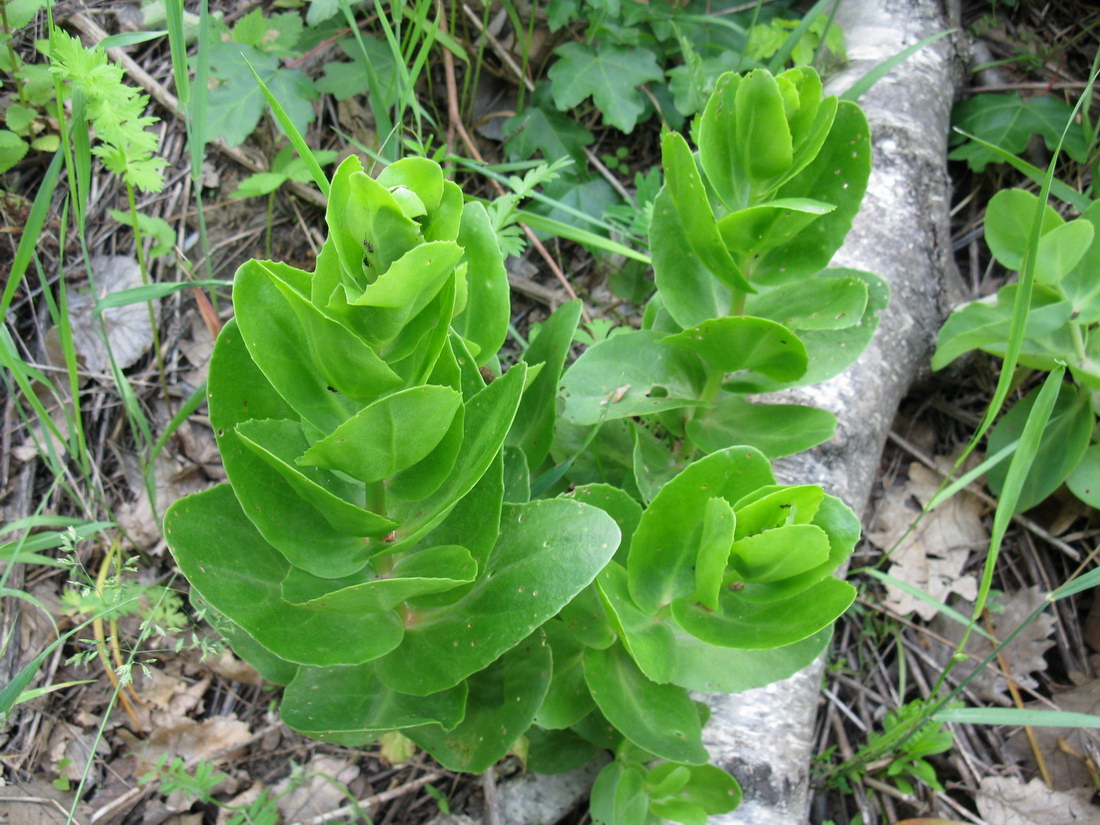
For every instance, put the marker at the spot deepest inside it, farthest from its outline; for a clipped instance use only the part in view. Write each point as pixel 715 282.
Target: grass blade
pixel 779 59
pixel 581 236
pixel 150 292
pixel 1018 469
pixel 1018 717
pixel 296 139
pixel 888 65
pixel 32 229
pixel 917 593
pixel 1061 190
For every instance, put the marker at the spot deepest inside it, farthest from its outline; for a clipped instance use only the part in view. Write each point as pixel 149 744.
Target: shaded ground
pixel 96 741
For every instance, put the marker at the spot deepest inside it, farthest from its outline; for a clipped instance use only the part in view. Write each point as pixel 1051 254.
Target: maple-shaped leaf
pixel 933 555
pixel 611 75
pixel 1008 801
pixel 1024 656
pixel 1009 121
pixel 235 107
pixel 276 34
pixel 539 128
pixel 343 79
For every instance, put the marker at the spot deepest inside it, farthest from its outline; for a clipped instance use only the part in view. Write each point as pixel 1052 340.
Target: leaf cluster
pixel 413 539
pixel 114 110
pixel 1062 326
pixel 1009 121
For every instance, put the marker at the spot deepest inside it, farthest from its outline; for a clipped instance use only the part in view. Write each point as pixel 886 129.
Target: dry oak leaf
pixel 320 793
pixel 933 556
pixel 129 329
pixel 1066 769
pixel 211 739
pixel 1024 656
pixel 1006 801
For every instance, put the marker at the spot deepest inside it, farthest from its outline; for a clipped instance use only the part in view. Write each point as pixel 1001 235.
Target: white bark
pixel 764 736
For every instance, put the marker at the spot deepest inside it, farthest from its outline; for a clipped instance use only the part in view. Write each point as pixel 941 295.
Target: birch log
pixel 764 736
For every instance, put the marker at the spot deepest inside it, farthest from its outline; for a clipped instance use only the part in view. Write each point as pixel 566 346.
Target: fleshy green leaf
pixel 745 343
pixel 392 433
pixel 743 624
pixel 567 698
pixel 660 718
pixel 1084 481
pixel 837 175
pixel 985 325
pixel 349 705
pixel 279 345
pixel 666 542
pixel 556 751
pixel 502 702
pixel 689 196
pixel 829 351
pixel 707 786
pixel 548 552
pixel 278 444
pixel 630 374
pixel 1008 220
pixel 690 294
pixel 231 565
pixel 239 392
pixel 666 653
pixel 822 302
pixel 433 570
pixel 776 554
pixel 1064 442
pixel 715 545
pixel 533 430
pixel 762 137
pixel 758 228
pixel 488 309
pixel 776 430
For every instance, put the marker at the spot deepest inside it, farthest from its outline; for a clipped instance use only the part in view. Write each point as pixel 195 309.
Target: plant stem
pixel 1078 343
pixel 140 250
pixel 270 215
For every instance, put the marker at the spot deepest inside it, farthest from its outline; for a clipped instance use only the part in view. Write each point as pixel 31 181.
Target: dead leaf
pixel 320 792
pixel 225 665
pixel 1067 770
pixel 933 556
pixel 197 348
pixel 129 329
pixel 168 697
pixel 210 739
pixel 70 749
pixel 50 806
pixel 1006 801
pixel 1024 656
pixel 173 479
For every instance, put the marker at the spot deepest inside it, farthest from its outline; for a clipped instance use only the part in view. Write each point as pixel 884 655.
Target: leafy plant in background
pixel 637 60
pixel 1009 122
pixel 285 167
pixel 907 755
pixel 34 89
pixel 395 543
pixel 1062 327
